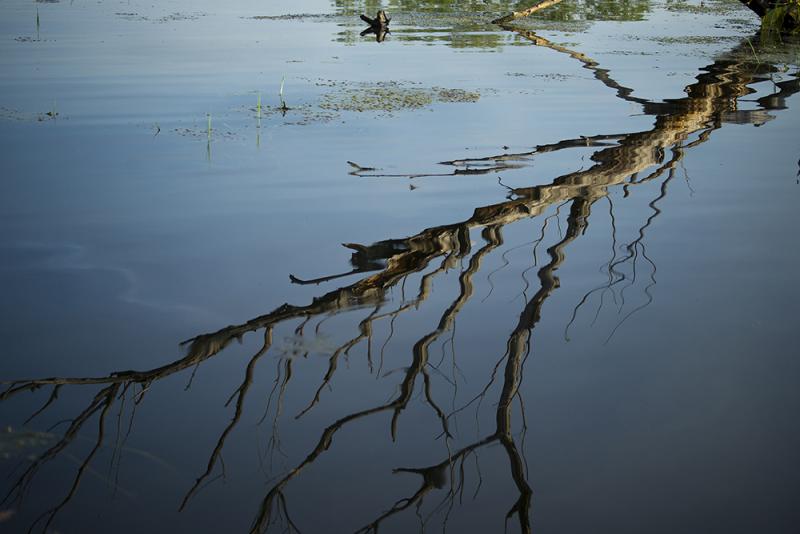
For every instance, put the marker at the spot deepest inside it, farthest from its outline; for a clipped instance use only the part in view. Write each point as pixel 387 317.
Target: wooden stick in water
pixel 520 14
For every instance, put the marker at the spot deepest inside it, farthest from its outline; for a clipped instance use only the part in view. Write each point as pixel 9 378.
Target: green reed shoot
pixel 258 106
pixel 280 93
pixel 749 42
pixel 208 129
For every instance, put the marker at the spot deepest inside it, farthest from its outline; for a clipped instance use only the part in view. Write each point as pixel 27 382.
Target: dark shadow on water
pixel 622 160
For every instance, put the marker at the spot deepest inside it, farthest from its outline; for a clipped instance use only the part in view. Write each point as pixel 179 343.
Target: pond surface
pixel 563 303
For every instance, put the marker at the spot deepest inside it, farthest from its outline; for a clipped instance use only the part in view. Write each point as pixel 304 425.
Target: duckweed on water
pixel 694 39
pixel 172 17
pixel 22 442
pixel 16 115
pixel 390 97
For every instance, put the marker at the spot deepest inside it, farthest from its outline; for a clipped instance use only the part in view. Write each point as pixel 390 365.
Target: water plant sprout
pixel 283 107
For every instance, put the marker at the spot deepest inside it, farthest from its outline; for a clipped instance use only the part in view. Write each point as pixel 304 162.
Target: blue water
pixel 597 333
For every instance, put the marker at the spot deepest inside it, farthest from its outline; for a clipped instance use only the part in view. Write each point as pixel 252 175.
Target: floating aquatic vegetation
pixel 381 98
pixel 389 97
pixel 172 17
pixel 16 115
pixel 714 7
pixel 299 345
pixel 16 443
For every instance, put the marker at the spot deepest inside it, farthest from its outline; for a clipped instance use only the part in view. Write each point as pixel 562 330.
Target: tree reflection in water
pixel 626 160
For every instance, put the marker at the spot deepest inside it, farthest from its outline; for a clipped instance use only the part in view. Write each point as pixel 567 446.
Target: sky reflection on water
pixel 564 302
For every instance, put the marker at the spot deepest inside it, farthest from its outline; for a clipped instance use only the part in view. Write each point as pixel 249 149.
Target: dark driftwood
pixel 379 25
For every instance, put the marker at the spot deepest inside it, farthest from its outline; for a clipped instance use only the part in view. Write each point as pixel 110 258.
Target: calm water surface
pixel 567 299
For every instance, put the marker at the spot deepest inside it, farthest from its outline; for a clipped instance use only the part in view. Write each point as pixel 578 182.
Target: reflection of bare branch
pixel 588 63
pixel 365 328
pixel 417 367
pixel 365 331
pixel 626 160
pixel 50 400
pixel 240 394
pixel 420 349
pixel 616 276
pixel 633 247
pixel 102 402
pixel 435 476
pixel 639 242
pixel 710 102
pixel 493 164
pixel 581 142
pixel 606 267
pixel 51 514
pixel 468 171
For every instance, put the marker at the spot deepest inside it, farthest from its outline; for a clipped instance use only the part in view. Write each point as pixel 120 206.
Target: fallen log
pixel 520 14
